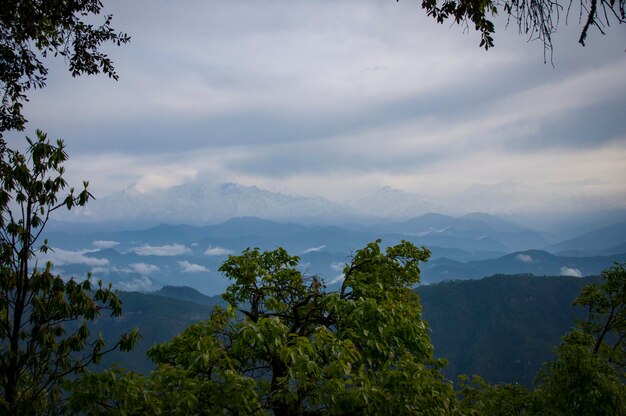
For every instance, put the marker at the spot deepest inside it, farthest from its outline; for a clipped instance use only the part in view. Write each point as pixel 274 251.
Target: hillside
pixel 500 327
pixel 159 317
pixel 535 262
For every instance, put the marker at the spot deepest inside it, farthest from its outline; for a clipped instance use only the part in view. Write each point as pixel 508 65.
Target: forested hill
pixel 501 327
pixel 159 316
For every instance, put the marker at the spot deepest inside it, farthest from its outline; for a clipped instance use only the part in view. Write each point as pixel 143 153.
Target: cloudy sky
pixel 337 98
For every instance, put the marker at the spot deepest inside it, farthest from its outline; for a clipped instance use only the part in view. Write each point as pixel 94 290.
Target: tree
pixel 538 19
pixel 480 398
pixel 33 29
pixel 579 381
pixel 44 333
pixel 606 314
pixel 285 345
pixel 588 374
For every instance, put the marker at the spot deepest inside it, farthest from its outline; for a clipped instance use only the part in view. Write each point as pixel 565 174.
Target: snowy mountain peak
pixel 205 203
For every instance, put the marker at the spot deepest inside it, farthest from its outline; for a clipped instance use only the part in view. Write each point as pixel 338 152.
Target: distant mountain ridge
pixel 467 247
pixel 531 262
pixel 205 202
pixel 603 240
pixel 199 203
pixel 186 294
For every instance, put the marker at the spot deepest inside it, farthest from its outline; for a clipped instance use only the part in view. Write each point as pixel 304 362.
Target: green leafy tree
pixel 44 333
pixel 480 398
pixel 606 314
pixel 580 382
pixel 588 376
pixel 286 346
pixel 30 30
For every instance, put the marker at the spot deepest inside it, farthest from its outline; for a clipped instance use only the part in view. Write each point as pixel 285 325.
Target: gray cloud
pixel 340 97
pixel 314 249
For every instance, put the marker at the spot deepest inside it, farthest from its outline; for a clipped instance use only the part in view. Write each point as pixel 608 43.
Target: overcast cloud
pixel 340 98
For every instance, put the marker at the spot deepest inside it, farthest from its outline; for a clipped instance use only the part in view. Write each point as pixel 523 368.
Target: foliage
pixel 30 30
pixel 580 381
pixel 44 335
pixel 502 327
pixel 606 314
pixel 480 398
pixel 284 345
pixel 587 375
pixel 538 19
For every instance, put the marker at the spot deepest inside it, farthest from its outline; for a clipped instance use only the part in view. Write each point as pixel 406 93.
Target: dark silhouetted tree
pixel 44 332
pixel 31 30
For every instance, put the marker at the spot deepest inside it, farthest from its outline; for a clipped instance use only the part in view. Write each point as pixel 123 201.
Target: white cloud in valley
pixel 217 251
pixel 60 257
pixel 164 250
pixel 102 244
pixel 144 268
pixel 138 284
pixel 188 267
pixel 570 271
pixel 524 258
pixel 337 267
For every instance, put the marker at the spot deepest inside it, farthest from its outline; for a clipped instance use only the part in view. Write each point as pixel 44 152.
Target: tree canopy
pixel 587 376
pixel 31 30
pixel 285 345
pixel 44 331
pixel 537 19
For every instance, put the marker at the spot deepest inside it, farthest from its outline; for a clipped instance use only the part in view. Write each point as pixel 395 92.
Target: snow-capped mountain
pixel 388 202
pixel 201 203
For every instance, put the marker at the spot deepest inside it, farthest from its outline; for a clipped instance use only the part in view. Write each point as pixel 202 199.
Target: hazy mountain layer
pixel 467 247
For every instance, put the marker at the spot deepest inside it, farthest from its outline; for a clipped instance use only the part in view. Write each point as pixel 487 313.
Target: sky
pixel 339 98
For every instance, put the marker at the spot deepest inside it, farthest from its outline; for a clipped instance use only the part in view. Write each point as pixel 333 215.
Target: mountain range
pixel 467 247
pixel 205 202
